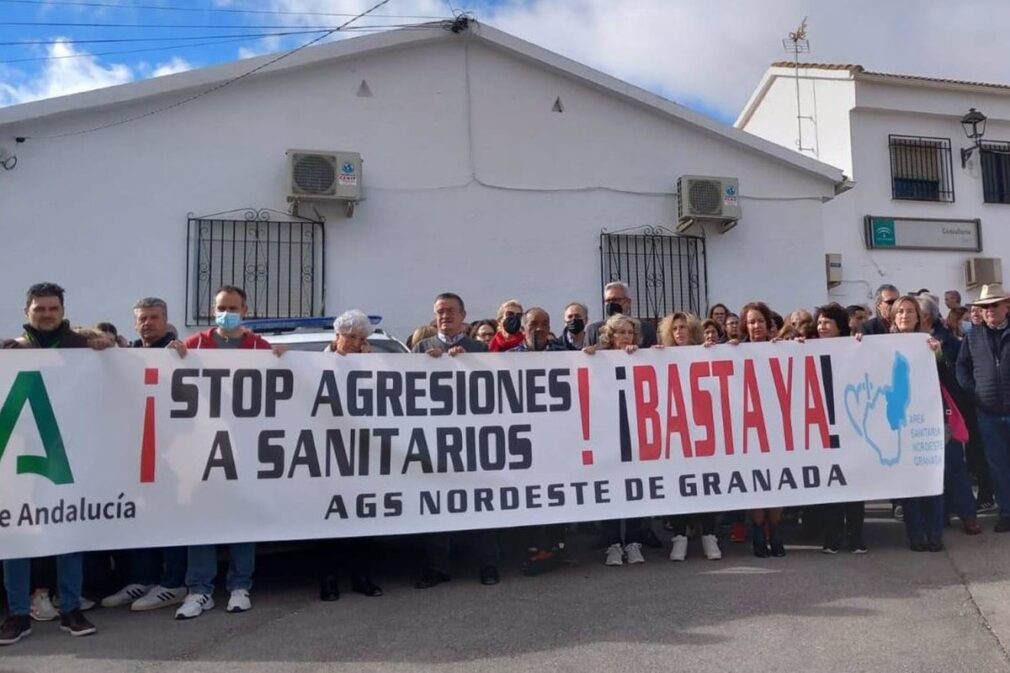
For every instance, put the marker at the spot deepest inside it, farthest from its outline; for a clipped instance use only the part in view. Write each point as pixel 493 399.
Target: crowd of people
pixel 969 343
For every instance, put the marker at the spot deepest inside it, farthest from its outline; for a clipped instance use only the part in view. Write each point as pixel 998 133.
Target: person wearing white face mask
pixel 230 309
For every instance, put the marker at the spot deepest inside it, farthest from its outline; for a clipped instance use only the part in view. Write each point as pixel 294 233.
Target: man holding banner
pixel 157 577
pixel 230 309
pixel 46 328
pixel 450 313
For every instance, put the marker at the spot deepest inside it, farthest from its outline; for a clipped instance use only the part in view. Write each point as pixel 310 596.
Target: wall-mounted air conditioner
pixel 982 271
pixel 706 199
pixel 321 175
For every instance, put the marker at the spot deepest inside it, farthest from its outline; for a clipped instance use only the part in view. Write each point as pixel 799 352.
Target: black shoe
pixel 364 586
pixel 778 549
pixel 14 628
pixel 76 624
pixel 1003 525
pixel 328 589
pixel 934 545
pixel 918 546
pixel 431 578
pixel 489 576
pixel 857 547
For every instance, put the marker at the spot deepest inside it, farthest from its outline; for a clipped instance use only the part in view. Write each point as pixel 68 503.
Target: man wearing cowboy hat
pixel 983 370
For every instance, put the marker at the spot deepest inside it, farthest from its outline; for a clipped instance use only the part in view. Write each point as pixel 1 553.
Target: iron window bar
pixel 921 168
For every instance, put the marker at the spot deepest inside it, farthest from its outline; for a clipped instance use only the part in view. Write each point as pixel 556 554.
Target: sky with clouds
pixel 706 54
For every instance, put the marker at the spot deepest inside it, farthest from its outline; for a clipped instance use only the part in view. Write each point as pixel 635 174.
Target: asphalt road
pixel 890 610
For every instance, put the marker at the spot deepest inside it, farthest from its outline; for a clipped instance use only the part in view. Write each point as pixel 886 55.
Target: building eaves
pixel 193 80
pixel 859 71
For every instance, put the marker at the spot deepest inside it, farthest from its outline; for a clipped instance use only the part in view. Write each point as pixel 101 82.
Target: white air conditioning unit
pixel 321 175
pixel 707 199
pixel 982 271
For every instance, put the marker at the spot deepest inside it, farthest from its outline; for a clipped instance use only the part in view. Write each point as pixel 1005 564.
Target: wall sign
pixel 909 233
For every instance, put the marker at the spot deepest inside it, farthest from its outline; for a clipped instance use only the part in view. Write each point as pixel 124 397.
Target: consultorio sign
pixel 909 233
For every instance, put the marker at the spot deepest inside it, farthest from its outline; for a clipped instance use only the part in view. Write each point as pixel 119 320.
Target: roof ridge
pixel 860 70
pixel 820 66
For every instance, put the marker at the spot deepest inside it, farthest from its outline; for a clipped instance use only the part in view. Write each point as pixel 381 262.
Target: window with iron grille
pixel 995 159
pixel 921 168
pixel 665 272
pixel 275 257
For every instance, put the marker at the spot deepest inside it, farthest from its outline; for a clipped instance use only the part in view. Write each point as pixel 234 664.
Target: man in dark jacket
pixel 46 328
pixel 983 370
pixel 156 578
pixel 886 295
pixel 617 299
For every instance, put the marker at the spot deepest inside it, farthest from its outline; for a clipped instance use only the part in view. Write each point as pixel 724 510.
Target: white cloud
pixel 63 76
pixel 176 64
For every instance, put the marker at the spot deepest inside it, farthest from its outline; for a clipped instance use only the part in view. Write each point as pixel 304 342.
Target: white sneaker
pixel 125 596
pixel 633 551
pixel 710 545
pixel 43 609
pixel 615 555
pixel 194 606
pixel 159 597
pixel 679 550
pixel 239 601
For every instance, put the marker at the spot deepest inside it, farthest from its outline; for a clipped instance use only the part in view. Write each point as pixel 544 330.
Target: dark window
pixel 275 257
pixel 665 272
pixel 996 172
pixel 921 168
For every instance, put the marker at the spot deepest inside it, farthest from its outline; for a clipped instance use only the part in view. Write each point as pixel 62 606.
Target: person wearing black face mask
pixel 573 337
pixel 510 333
pixel 617 300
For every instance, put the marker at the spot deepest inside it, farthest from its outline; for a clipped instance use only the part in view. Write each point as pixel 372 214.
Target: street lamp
pixel 973 124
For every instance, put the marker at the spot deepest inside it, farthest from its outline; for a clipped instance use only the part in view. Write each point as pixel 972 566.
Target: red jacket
pixel 206 340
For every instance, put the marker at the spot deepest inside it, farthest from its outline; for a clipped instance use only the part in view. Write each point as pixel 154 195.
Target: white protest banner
pixel 136 448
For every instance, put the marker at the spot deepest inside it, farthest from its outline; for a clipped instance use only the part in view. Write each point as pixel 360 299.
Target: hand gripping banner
pixel 140 448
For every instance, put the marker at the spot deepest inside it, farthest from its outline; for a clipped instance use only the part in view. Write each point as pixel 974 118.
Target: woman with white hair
pixel 351 330
pixel 350 335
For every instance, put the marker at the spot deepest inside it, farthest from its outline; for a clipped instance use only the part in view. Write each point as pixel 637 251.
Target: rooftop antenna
pixel 797 44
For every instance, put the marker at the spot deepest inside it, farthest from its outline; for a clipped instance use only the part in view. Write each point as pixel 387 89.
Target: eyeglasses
pixel 889 302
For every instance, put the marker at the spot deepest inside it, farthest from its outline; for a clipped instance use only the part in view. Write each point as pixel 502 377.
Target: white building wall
pixel 520 215
pixel 910 270
pixel 854 121
pixel 825 96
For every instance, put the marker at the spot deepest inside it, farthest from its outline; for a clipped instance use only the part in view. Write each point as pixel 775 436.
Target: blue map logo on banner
pixel 878 410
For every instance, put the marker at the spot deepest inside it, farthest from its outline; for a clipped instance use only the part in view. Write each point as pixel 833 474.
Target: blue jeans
pixel 202 567
pixel 924 518
pixel 69 577
pixel 995 432
pixel 165 567
pixel 956 482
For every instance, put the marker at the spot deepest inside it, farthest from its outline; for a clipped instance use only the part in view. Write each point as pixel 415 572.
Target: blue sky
pixel 705 54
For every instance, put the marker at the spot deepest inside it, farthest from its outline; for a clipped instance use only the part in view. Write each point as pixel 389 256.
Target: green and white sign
pixel 907 233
